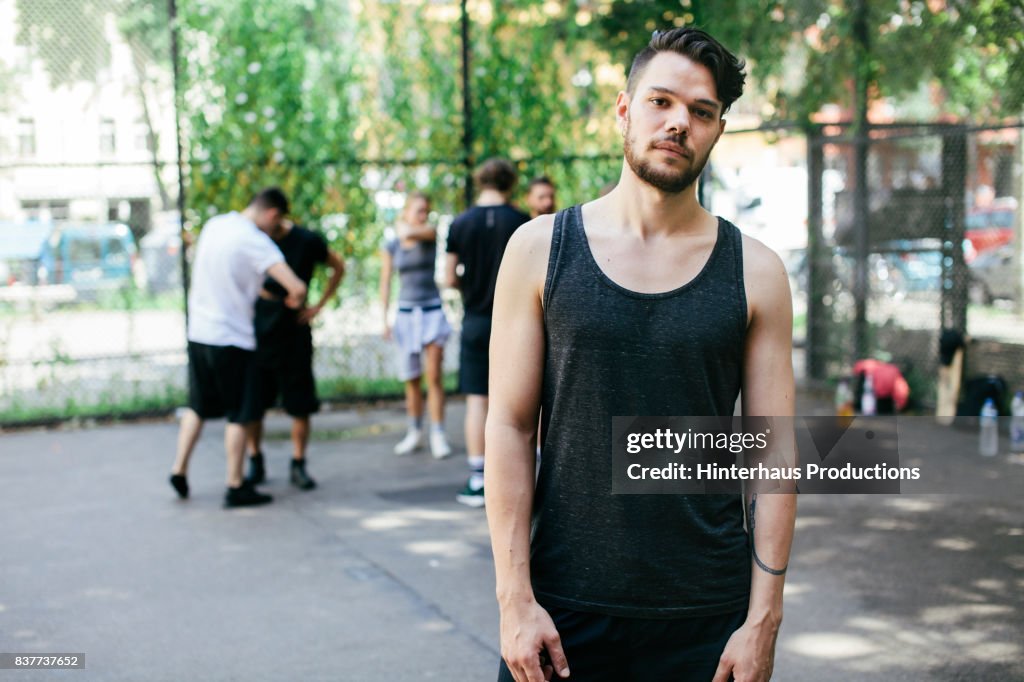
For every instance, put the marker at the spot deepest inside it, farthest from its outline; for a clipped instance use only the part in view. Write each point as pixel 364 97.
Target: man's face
pixel 541 199
pixel 268 219
pixel 671 123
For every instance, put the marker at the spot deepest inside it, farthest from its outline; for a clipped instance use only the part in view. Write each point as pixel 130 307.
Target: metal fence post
pixel 816 283
pixel 954 189
pixel 467 104
pixel 172 13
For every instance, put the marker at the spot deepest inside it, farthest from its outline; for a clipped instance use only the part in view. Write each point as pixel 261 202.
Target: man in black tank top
pixel 638 303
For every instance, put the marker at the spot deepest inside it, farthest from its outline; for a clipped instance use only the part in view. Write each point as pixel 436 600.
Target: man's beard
pixel 668 181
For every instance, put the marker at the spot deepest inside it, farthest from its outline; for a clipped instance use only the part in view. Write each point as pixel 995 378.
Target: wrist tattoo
pixel 753 548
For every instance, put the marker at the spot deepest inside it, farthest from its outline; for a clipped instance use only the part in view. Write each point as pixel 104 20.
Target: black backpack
pixel 979 389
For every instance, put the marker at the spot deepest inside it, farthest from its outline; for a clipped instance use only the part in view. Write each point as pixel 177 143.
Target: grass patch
pixel 341 389
pixel 352 433
pixel 106 408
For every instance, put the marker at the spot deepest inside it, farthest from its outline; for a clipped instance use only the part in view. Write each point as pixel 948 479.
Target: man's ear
pixel 721 129
pixel 622 110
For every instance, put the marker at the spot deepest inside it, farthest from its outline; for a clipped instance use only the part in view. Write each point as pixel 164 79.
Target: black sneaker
pixel 470 496
pixel 300 479
pixel 245 495
pixel 180 485
pixel 257 472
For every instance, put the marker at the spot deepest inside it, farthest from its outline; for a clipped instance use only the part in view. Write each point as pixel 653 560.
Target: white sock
pixel 476 465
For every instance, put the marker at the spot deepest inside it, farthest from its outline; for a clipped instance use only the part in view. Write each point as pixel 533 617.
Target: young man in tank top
pixel 638 303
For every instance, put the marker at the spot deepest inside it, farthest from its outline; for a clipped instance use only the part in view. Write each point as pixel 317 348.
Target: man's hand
pixel 526 631
pixel 296 297
pixel 387 332
pixel 749 655
pixel 306 315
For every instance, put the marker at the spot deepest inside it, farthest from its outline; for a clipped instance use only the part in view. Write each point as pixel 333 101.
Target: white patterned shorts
pixel 415 328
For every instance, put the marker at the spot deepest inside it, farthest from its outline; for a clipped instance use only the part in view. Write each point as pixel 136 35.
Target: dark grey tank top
pixel 611 351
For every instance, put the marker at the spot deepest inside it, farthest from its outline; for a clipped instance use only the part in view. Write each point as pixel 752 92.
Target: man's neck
pixel 645 210
pixel 281 231
pixel 491 197
pixel 250 213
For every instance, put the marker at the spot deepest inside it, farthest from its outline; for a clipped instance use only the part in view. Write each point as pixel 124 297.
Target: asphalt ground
pixel 380 574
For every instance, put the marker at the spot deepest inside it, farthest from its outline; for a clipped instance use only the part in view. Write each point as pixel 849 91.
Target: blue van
pixel 20 247
pixel 89 257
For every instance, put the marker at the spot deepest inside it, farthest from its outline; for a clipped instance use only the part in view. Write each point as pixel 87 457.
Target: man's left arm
pixel 337 267
pixel 768 391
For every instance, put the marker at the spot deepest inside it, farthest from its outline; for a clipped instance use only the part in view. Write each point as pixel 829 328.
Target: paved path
pixel 379 574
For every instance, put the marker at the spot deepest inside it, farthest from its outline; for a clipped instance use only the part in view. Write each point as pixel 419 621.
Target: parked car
pixel 161 253
pixel 20 247
pixel 993 276
pixel 992 226
pixel 90 257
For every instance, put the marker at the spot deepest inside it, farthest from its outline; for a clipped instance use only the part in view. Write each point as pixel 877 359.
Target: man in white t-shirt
pixel 233 256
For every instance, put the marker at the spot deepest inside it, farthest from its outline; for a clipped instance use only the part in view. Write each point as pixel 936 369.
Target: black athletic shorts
pixel 601 648
pixel 285 363
pixel 222 382
pixel 474 346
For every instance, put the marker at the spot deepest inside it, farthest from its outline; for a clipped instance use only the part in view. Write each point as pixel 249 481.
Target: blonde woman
pixel 421 327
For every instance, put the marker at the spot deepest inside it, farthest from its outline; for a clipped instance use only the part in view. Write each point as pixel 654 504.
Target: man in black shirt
pixel 284 349
pixel 476 243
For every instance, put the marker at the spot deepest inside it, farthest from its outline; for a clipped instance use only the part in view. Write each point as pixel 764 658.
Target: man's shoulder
pixel 466 216
pixel 758 258
pixel 234 218
pixel 310 236
pixel 513 211
pixel 764 273
pixel 533 236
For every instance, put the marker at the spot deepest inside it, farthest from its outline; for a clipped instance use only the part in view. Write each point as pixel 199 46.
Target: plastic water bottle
pixel 1017 423
pixel 844 399
pixel 868 405
pixel 988 443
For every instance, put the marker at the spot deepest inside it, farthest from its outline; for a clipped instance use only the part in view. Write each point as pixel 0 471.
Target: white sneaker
pixel 413 441
pixel 439 447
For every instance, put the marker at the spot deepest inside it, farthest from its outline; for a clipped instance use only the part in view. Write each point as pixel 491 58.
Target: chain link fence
pixel 890 234
pixel 91 285
pixel 932 244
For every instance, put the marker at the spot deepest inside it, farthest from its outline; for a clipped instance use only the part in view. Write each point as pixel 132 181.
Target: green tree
pixel 270 99
pixel 804 53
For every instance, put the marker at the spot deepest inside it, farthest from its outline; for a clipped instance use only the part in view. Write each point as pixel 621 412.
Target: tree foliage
pixel 338 100
pixel 971 50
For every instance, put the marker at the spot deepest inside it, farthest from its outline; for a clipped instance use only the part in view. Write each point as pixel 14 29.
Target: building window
pixel 143 143
pixel 26 137
pixel 60 210
pixel 46 210
pixel 108 137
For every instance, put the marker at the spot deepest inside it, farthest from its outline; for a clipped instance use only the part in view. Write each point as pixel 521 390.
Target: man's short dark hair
pixel 725 67
pixel 271 197
pixel 539 180
pixel 497 174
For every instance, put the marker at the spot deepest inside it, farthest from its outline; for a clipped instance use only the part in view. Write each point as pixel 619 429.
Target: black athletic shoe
pixel 245 496
pixel 257 472
pixel 180 484
pixel 300 479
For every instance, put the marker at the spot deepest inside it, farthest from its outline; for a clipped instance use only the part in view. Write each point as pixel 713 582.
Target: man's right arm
pixel 517 365
pixel 287 278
